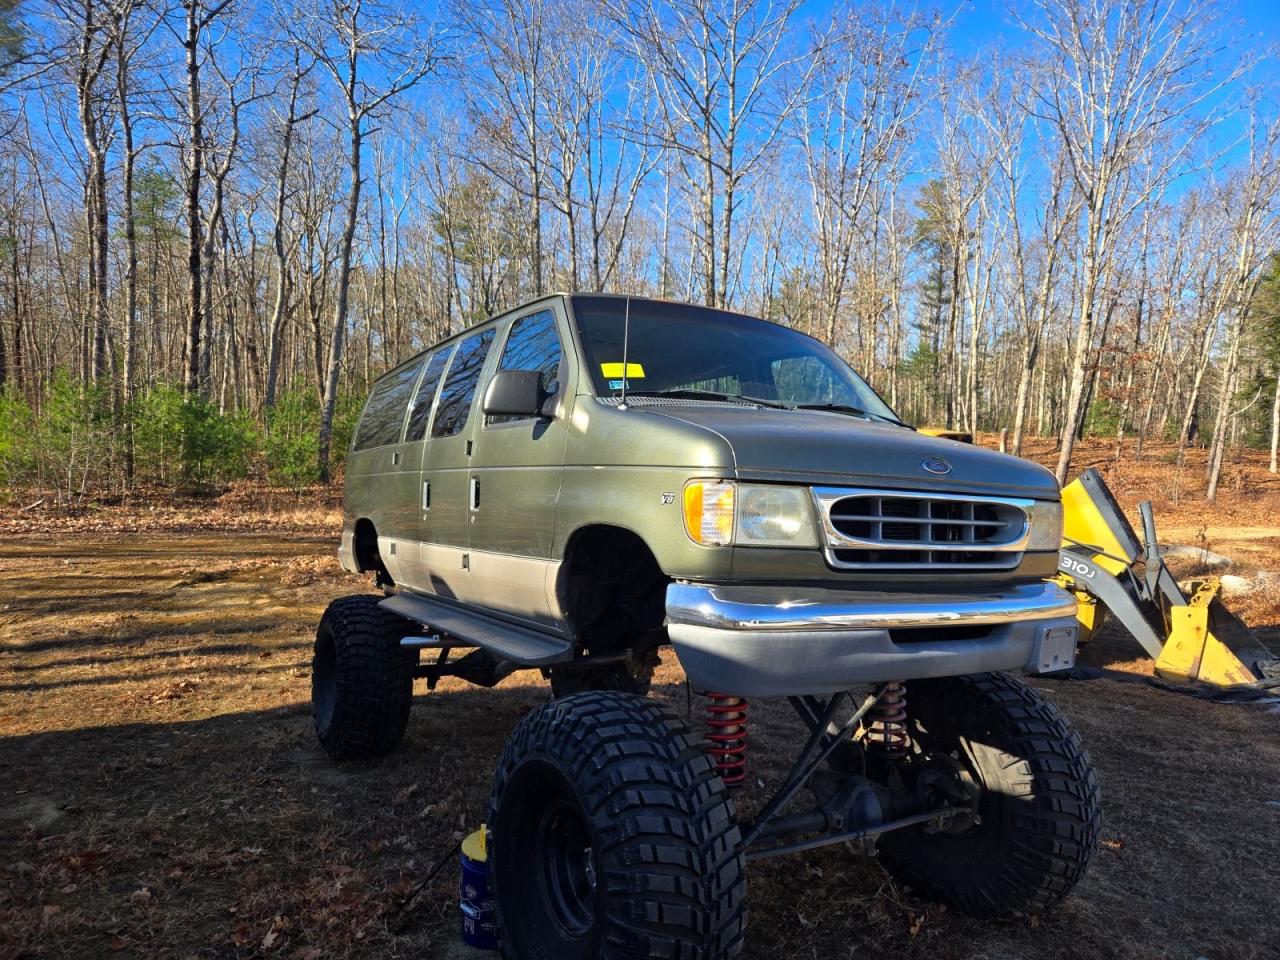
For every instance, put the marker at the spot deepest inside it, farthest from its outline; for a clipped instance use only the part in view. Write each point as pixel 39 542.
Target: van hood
pixel 837 449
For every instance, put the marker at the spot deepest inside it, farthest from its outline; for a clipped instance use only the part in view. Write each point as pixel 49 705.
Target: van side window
pixel 421 411
pixel 384 414
pixel 459 387
pixel 533 344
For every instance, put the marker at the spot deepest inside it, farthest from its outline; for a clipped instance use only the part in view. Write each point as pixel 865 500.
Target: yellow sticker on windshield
pixel 613 371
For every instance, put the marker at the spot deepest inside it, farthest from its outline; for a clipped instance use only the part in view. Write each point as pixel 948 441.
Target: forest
pixel 220 220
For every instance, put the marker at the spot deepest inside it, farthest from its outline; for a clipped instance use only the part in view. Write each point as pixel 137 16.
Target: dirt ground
pixel 162 794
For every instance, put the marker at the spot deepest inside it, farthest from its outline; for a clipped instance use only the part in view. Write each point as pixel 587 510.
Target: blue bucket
pixel 475 901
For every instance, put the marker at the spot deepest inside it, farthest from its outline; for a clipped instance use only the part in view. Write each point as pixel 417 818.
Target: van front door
pixel 516 469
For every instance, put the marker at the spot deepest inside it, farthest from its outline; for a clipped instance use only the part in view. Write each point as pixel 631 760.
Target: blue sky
pixel 981 21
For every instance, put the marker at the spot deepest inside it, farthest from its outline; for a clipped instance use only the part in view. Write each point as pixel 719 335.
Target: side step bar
pixel 507 641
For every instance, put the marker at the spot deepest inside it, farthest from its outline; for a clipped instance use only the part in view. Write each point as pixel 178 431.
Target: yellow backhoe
pixel 1191 635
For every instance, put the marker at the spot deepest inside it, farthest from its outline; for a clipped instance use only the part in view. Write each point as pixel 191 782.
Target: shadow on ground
pixel 162 793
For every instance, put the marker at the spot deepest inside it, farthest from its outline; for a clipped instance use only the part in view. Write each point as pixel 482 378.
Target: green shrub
pixel 157 434
pixel 216 446
pixel 177 438
pixel 74 440
pixel 345 417
pixel 1103 418
pixel 291 445
pixel 17 460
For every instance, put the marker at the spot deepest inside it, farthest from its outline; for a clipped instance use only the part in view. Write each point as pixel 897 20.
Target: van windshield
pixel 678 349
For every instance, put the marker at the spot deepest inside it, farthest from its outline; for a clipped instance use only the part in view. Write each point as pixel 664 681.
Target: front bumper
pixel 783 641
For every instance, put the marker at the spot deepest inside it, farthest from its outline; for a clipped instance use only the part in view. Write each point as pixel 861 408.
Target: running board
pixel 528 648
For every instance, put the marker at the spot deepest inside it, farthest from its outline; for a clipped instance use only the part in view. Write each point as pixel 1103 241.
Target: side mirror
pixel 515 393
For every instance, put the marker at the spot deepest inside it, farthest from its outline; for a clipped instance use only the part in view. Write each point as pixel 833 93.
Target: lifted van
pixel 583 480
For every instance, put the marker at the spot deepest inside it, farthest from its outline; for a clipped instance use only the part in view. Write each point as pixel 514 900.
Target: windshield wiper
pixel 851 410
pixel 686 394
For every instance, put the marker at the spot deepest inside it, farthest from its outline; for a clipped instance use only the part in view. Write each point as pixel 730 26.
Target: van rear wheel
pixel 361 679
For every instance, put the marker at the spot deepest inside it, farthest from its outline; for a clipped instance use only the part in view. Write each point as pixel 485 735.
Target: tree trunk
pixel 1079 367
pixel 195 163
pixel 330 397
pixel 283 286
pixel 1275 426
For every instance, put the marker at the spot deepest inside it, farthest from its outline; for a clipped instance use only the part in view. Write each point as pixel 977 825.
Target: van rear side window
pixel 384 414
pixel 459 388
pixel 421 411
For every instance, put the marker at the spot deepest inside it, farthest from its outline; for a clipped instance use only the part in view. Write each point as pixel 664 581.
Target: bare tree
pixel 717 68
pixel 855 129
pixel 288 122
pixel 87 49
pixel 1034 250
pixel 1251 199
pixel 516 41
pixel 1117 77
pixel 373 53
pixel 198 16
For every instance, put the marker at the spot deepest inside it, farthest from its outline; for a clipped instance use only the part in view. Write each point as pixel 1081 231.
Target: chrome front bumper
pixel 782 641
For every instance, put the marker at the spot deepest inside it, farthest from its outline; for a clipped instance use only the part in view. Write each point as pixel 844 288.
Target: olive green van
pixel 577 483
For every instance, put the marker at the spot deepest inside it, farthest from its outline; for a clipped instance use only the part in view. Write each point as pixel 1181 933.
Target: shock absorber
pixel 886 728
pixel 727 736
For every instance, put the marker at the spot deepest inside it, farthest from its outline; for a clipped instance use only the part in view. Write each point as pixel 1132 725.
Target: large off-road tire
pixel 1039 806
pixel 613 837
pixel 361 679
pixel 634 677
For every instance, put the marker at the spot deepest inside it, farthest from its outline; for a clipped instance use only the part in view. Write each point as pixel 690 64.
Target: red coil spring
pixel 887 721
pixel 727 737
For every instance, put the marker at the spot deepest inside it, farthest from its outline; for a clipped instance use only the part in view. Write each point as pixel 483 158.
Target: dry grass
pixel 162 794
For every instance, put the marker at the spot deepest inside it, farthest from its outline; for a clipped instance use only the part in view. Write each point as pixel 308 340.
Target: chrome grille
pixel 895 529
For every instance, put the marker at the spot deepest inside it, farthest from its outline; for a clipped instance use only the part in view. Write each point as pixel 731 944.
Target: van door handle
pixel 475 493
pixel 426 495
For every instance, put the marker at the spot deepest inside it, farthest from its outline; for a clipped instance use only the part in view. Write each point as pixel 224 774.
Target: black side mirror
pixel 515 393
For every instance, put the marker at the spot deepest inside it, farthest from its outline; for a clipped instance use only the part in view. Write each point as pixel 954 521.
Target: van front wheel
pixel 612 838
pixel 1039 813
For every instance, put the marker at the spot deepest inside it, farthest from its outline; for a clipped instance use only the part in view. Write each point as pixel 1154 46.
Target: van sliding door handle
pixel 426 495
pixel 475 493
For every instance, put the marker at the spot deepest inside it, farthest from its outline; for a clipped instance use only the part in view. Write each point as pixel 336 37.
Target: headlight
pixel 1046 526
pixel 771 516
pixel 719 512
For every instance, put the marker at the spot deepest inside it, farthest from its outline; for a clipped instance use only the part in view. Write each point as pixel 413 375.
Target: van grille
pixel 882 529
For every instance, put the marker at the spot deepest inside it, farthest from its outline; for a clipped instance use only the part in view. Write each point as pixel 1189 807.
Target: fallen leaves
pixel 404 793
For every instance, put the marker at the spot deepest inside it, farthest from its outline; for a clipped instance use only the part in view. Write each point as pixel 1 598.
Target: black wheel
pixel 632 676
pixel 1039 801
pixel 361 679
pixel 612 837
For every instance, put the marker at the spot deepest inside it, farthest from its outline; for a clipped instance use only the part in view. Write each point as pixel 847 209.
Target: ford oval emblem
pixel 936 465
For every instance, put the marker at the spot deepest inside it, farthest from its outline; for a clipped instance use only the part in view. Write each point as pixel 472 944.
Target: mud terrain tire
pixel 613 837
pixel 1040 808
pixel 361 679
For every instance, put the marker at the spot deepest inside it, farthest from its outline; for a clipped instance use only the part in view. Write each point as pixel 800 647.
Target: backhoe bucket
pixel 1111 572
pixel 1208 643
